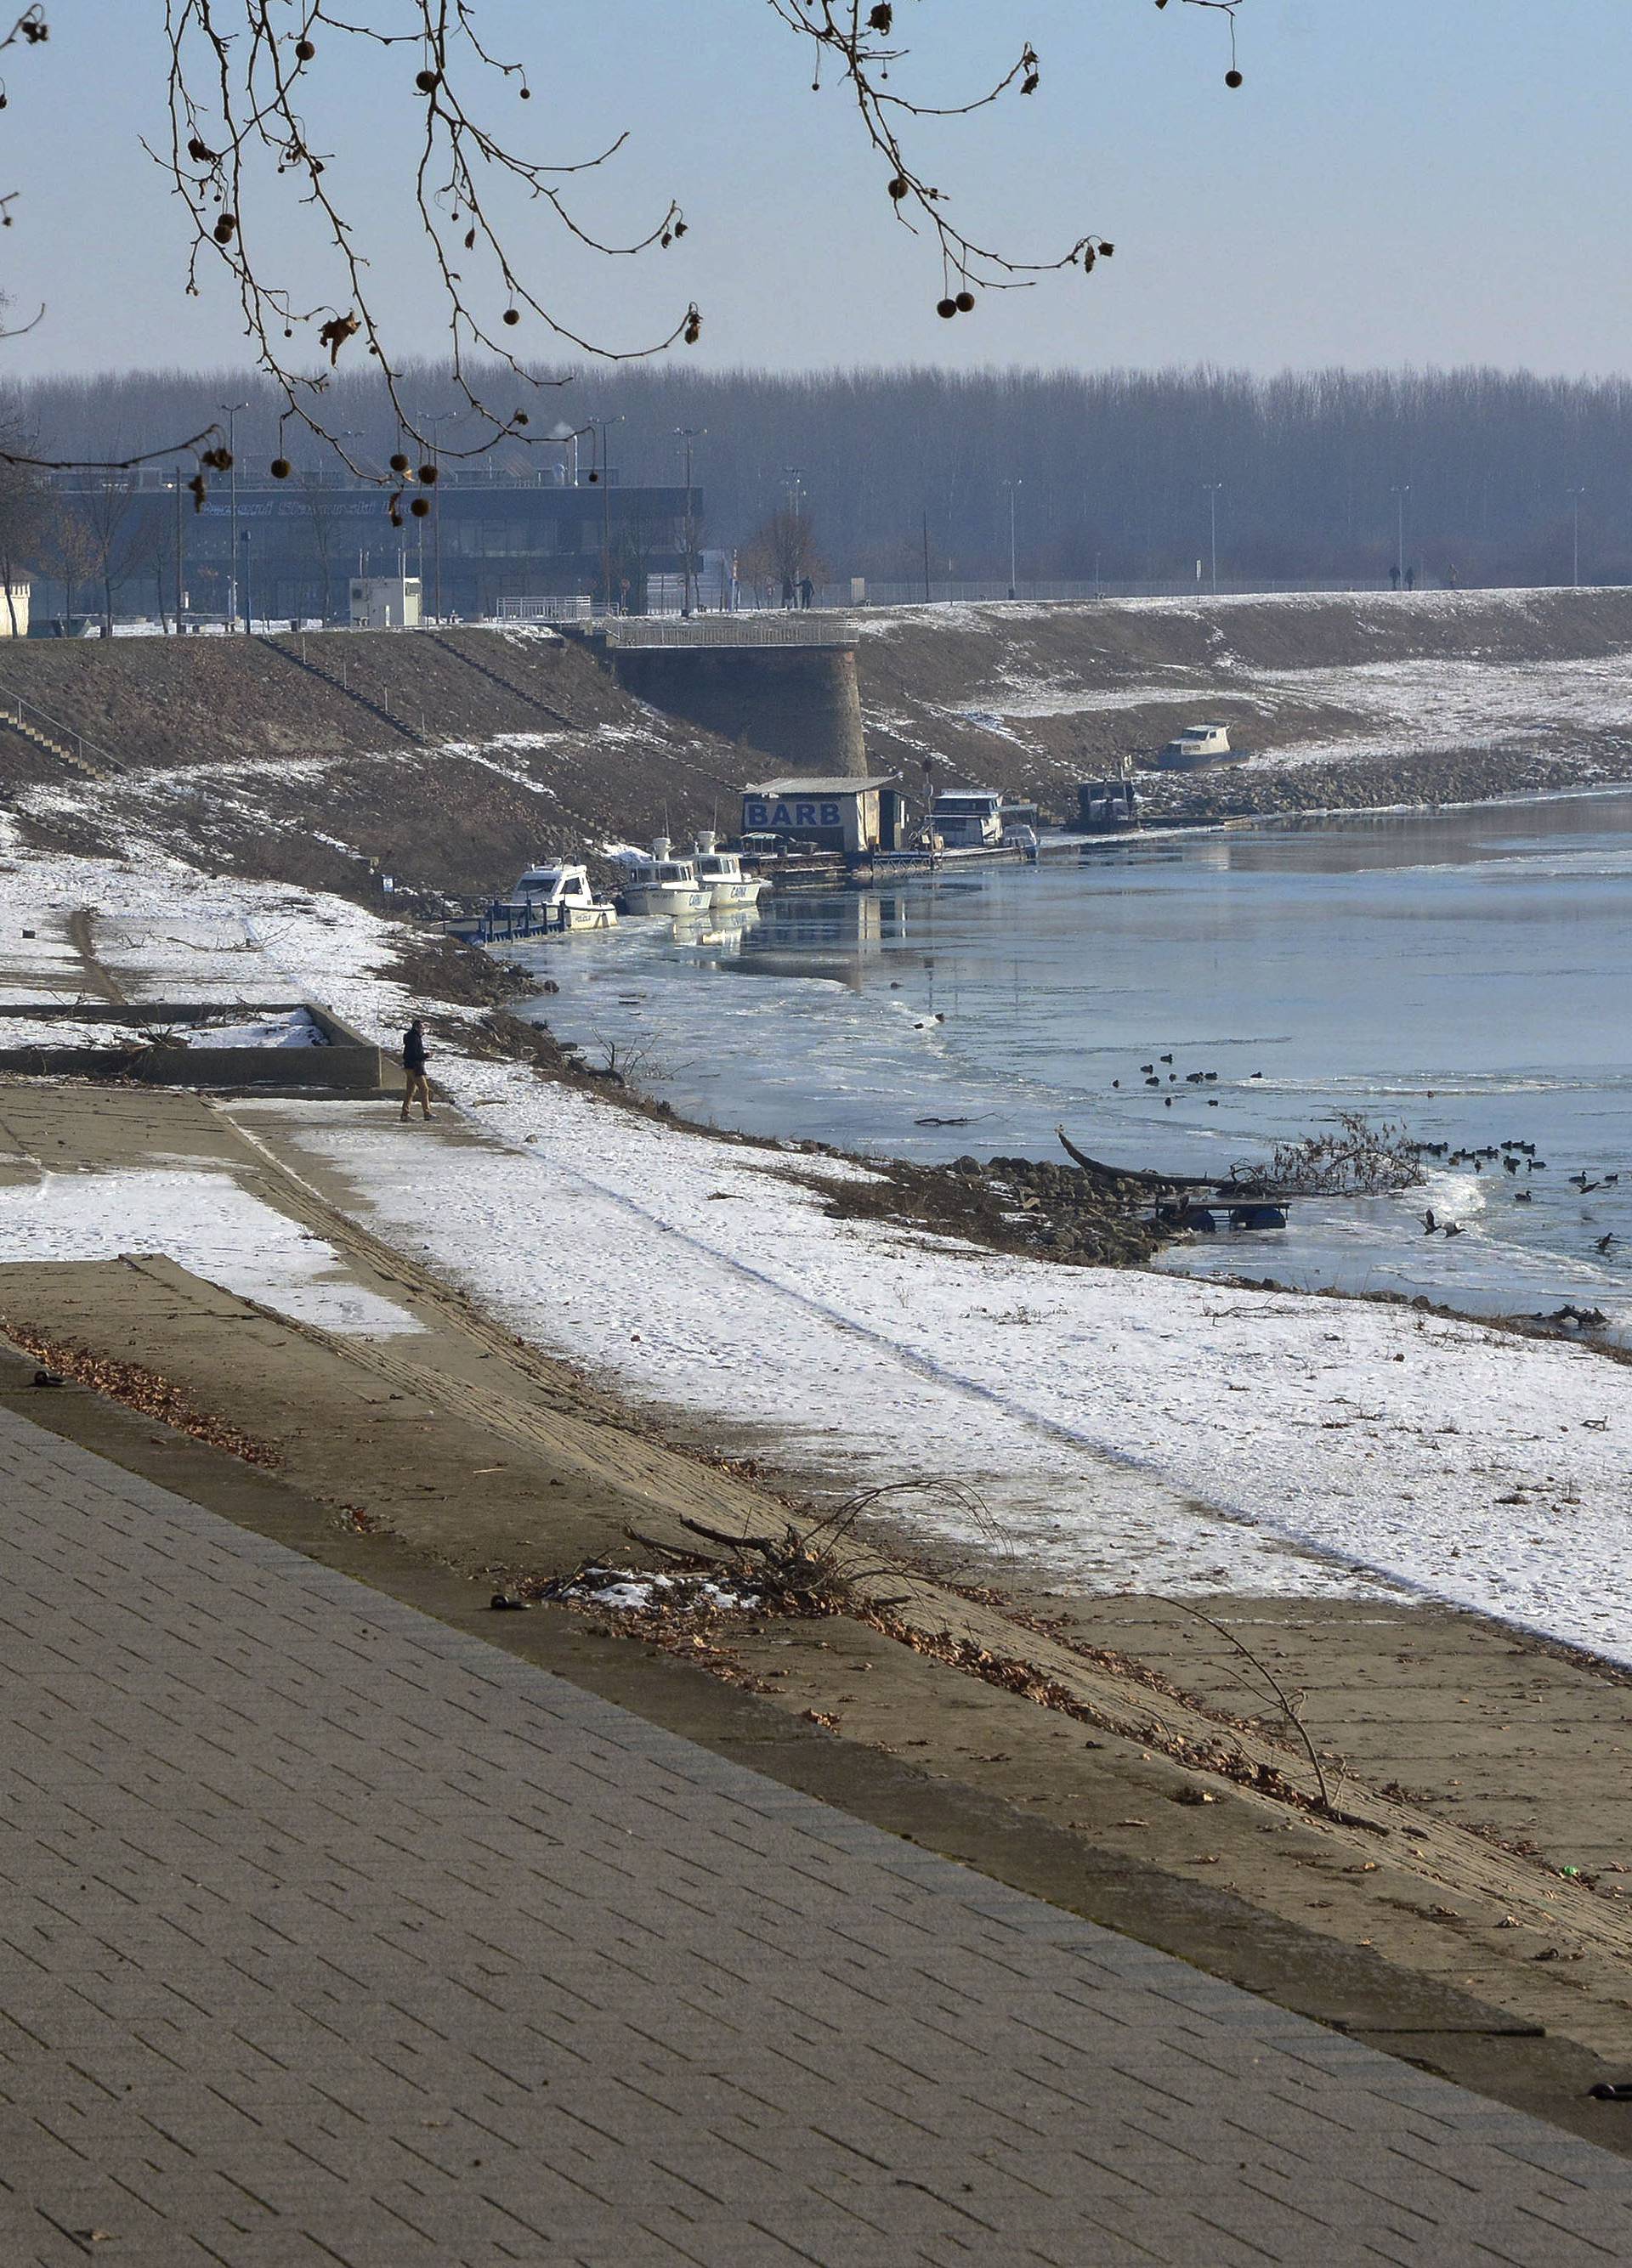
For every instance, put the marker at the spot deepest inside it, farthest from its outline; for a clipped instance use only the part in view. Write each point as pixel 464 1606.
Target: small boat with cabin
pixel 562 897
pixel 967 819
pixel 1197 747
pixel 721 873
pixel 659 883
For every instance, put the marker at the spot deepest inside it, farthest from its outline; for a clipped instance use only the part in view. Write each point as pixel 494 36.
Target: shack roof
pixel 808 787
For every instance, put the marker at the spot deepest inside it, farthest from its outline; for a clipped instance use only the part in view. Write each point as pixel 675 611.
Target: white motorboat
pixel 662 884
pixel 721 873
pixel 1197 747
pixel 563 898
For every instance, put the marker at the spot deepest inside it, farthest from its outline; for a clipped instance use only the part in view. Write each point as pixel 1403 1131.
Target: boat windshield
pixel 674 870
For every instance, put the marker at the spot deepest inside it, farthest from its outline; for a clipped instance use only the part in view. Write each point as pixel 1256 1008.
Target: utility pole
pixel 688 434
pixel 1400 496
pixel 1012 486
pixel 1213 488
pixel 793 550
pixel 1576 496
pixel 926 554
pixel 229 410
pixel 180 593
pixel 600 427
pixel 249 596
pixel 434 419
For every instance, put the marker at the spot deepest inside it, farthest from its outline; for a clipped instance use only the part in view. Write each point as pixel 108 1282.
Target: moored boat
pixel 563 897
pixel 721 873
pixel 659 883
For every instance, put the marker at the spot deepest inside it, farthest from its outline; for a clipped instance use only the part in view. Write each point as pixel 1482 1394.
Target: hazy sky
pixel 1430 181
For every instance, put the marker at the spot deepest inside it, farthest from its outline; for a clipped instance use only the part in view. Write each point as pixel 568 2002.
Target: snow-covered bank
pixel 1130 1429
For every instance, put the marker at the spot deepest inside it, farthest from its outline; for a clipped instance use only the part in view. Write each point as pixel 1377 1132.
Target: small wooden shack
pixel 854 816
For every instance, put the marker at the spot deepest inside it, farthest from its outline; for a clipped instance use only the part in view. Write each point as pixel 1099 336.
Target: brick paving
pixel 329 1935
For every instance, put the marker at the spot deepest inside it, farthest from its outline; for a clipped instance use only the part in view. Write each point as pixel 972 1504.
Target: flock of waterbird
pixel 1514 1157
pixel 1152 1077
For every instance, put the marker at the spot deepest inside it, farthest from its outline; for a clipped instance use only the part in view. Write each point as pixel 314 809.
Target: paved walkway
pixel 328 1934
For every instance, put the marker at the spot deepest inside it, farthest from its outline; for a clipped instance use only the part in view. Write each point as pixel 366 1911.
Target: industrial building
pixel 291 550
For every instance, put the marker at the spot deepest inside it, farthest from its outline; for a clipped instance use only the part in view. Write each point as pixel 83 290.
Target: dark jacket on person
pixel 413 1048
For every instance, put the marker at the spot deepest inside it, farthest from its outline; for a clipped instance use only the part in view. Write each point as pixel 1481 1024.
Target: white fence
pixel 563 607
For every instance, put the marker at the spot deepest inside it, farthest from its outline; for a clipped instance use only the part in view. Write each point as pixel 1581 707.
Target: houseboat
pixel 967 819
pixel 1106 806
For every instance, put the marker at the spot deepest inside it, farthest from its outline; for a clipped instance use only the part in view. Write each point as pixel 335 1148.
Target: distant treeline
pixel 1315 468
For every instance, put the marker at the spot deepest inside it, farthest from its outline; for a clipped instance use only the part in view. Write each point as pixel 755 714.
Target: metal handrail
pixel 54 726
pixel 725 630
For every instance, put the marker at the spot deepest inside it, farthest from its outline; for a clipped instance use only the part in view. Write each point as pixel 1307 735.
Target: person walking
pixel 417 1086
pixel 807 593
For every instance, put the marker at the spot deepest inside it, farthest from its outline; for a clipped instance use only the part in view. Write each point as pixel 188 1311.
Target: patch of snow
pixel 292 1030
pixel 204 1222
pixel 627 1590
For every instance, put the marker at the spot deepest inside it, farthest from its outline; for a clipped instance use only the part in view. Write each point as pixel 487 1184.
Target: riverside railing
pixel 804 629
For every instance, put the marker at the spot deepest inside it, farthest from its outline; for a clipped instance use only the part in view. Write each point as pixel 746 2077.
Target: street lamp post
pixel 1576 496
pixel 249 596
pixel 793 485
pixel 1213 488
pixel 433 419
pixel 229 410
pixel 688 434
pixel 1013 486
pixel 600 427
pixel 1400 496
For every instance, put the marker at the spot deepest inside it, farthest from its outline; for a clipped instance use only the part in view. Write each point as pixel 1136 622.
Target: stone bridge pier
pixel 793 698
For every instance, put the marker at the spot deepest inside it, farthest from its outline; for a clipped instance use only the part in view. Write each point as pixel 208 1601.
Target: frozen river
pixel 1466 972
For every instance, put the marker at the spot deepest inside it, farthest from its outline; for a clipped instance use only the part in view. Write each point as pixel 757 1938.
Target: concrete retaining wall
pixel 799 705
pixel 347 1062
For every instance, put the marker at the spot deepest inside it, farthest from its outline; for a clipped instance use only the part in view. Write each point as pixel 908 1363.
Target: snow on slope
pixel 1421 706
pixel 1106 1410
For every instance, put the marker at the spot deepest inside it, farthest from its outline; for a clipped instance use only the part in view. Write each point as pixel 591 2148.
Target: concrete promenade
pixel 328 1934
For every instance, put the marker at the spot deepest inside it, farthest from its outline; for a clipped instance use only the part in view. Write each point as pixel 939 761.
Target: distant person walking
pixel 1411 579
pixel 788 593
pixel 807 591
pixel 1393 578
pixel 417 1086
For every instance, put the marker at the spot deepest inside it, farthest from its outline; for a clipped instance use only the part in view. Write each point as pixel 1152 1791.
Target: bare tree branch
pixel 265 208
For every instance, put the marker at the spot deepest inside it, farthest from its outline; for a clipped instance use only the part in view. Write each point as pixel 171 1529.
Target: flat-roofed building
pixel 487 536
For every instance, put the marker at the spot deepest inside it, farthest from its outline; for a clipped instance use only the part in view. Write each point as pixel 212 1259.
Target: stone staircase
pixel 290 649
pixel 25 723
pixel 518 693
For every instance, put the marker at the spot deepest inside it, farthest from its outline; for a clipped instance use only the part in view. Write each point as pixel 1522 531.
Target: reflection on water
pixel 1464 972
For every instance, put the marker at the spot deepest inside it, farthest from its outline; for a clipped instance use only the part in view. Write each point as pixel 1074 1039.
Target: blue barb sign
pixel 785 815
